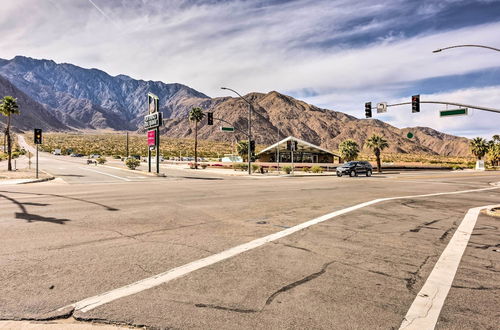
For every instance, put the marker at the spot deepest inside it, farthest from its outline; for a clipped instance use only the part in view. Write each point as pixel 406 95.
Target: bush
pixel 255 168
pixel 317 169
pixel 132 163
pixel 101 160
pixel 306 169
pixel 241 167
pixel 456 167
pixel 287 169
pixel 117 157
pixel 204 166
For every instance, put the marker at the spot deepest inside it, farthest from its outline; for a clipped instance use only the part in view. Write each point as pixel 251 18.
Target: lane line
pixel 425 310
pixel 103 173
pixel 88 304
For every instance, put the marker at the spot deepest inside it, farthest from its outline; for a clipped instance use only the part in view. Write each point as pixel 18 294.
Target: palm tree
pixel 242 148
pixel 479 147
pixel 349 150
pixel 377 143
pixel 196 115
pixel 8 107
pixel 494 154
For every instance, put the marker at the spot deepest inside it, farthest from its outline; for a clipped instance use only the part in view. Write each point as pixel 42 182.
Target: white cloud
pixel 250 45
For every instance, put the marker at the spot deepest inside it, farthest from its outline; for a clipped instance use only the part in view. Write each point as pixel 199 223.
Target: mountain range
pixel 67 97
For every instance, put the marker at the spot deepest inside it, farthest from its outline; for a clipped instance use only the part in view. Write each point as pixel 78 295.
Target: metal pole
pixel 451 103
pixel 37 161
pixel 149 159
pixel 157 150
pixel 278 149
pixel 291 151
pixel 249 139
pixel 457 46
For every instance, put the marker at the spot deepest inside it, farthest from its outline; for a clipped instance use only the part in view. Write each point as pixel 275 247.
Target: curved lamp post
pixel 458 46
pixel 249 127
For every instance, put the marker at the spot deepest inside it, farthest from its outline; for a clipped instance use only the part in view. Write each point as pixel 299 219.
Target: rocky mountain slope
pixel 90 98
pixel 327 128
pixel 32 114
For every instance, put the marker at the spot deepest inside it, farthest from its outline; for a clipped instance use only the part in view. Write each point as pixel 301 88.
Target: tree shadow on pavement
pixel 30 217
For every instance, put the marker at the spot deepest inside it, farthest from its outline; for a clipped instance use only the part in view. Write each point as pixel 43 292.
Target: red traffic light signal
pixel 415 103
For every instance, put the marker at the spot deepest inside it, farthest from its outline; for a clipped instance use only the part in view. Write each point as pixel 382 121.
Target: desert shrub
pixel 101 160
pixel 255 168
pixel 456 167
pixel 287 169
pixel 306 169
pixel 117 157
pixel 317 169
pixel 132 163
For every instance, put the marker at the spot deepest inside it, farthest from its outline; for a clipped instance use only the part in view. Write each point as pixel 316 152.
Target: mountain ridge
pixel 84 99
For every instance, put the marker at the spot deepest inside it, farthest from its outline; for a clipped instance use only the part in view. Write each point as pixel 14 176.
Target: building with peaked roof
pixel 304 152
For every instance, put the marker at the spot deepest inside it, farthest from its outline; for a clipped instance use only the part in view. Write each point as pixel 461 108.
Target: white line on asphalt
pixel 103 173
pixel 425 310
pixel 156 280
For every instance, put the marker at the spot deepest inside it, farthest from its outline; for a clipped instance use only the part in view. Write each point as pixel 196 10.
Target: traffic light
pixel 252 146
pixel 368 109
pixel 210 118
pixel 415 103
pixel 38 136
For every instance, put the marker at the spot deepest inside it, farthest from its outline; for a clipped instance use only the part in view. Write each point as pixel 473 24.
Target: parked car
pixel 76 155
pixel 94 156
pixel 57 152
pixel 355 168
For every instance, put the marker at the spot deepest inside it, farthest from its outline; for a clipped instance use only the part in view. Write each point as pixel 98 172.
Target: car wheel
pixel 339 174
pixel 369 173
pixel 353 173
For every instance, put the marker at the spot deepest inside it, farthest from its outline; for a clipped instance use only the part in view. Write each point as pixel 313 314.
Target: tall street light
pixel 249 128
pixel 458 46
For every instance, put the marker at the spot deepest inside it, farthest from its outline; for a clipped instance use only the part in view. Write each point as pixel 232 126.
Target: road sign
pixel 151 138
pixel 409 135
pixel 381 107
pixel 454 112
pixel 153 103
pixel 153 120
pixel 227 129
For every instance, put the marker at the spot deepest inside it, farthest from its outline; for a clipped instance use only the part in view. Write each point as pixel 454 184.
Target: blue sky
pixel 335 54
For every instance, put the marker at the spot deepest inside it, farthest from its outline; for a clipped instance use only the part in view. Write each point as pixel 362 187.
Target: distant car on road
pixel 76 155
pixel 57 152
pixel 94 156
pixel 354 168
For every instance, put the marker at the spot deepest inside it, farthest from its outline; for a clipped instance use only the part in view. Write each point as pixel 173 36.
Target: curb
pixel 135 171
pixel 38 180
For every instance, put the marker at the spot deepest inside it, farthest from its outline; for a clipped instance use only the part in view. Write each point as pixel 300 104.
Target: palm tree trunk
pixel 196 145
pixel 379 165
pixel 9 145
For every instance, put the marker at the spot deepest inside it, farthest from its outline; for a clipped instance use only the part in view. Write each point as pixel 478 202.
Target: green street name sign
pixel 454 112
pixel 227 129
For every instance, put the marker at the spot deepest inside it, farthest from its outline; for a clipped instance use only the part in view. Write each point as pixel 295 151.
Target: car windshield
pixel 351 163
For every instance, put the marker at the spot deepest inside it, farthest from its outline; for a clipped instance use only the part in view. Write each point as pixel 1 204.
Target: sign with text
pixel 454 112
pixel 153 120
pixel 151 138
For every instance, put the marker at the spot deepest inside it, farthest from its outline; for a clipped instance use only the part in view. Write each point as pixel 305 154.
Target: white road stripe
pixel 103 173
pixel 156 280
pixel 425 310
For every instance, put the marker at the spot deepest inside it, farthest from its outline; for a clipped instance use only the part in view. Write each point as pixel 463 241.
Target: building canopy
pixel 303 150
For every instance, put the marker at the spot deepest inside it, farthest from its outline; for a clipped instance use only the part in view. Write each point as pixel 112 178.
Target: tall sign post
pixel 38 140
pixel 152 122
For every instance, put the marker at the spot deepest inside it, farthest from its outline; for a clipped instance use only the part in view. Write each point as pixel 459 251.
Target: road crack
pixel 297 283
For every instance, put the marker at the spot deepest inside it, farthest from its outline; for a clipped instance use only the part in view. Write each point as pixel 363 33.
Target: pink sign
pixel 151 138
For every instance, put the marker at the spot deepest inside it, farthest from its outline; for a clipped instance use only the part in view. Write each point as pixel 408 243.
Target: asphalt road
pixel 98 229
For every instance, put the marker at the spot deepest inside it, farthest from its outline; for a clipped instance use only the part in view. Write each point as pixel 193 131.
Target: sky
pixel 335 54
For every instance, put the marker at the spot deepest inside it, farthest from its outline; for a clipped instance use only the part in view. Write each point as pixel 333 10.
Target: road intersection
pixel 345 252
